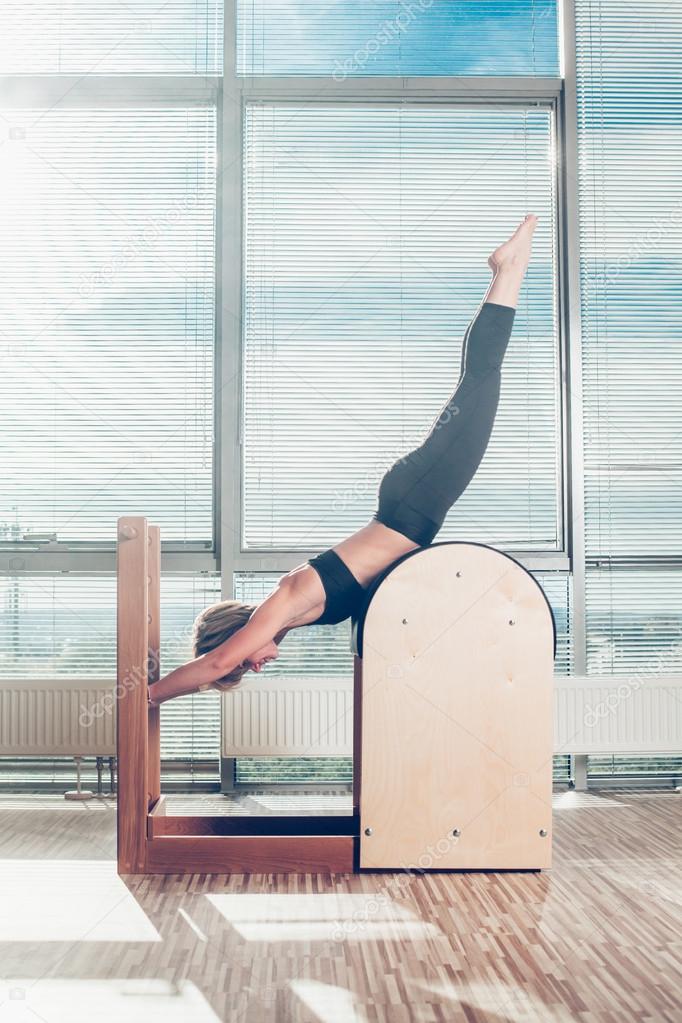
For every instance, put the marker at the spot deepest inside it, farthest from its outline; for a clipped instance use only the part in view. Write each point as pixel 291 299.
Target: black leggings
pixel 419 489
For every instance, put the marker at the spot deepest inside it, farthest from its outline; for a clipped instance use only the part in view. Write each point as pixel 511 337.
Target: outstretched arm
pixel 268 620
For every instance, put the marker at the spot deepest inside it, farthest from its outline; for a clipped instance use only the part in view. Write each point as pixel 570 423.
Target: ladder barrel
pixel 132 655
pixel 154 667
pixel 454 672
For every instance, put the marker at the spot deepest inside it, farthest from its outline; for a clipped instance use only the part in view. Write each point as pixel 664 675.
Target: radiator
pixel 64 717
pixel 313 716
pixel 302 717
pixel 635 713
pixel 592 714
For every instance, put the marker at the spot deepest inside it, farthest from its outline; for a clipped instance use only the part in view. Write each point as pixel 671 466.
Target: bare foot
pixel 515 253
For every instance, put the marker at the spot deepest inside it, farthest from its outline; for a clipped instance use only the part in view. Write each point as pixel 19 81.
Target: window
pixel 109 167
pixel 190 725
pixel 64 626
pixel 180 37
pixel 108 311
pixel 630 203
pixel 558 588
pixel 367 234
pixel 108 139
pixel 631 233
pixel 634 622
pixel 364 259
pixel 630 192
pixel 366 139
pixel 349 38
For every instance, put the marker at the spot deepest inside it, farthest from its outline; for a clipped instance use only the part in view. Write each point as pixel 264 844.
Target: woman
pixel 415 495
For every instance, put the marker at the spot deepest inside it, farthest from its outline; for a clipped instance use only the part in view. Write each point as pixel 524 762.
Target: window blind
pixel 145 37
pixel 107 319
pixel 634 623
pixel 333 770
pixel 630 139
pixel 608 767
pixel 558 587
pixel 367 231
pixel 348 38
pixel 64 626
pixel 190 725
pixel 322 652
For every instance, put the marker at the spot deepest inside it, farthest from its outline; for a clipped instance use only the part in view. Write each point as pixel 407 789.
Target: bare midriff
pixel 372 549
pixel 366 553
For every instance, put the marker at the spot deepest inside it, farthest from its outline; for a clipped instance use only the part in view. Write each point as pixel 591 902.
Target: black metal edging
pixel 320 824
pixel 260 825
pixel 359 622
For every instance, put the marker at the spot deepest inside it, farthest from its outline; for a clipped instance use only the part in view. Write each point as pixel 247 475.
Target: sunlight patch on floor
pixel 327 1003
pixel 323 917
pixel 106 1001
pixel 572 800
pixel 69 900
pixel 498 1001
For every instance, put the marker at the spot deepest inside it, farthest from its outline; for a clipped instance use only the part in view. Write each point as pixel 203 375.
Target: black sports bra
pixel 345 596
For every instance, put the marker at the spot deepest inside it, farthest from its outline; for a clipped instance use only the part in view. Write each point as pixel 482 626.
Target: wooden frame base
pixel 249 844
pixel 263 843
pixel 252 854
pixel 151 841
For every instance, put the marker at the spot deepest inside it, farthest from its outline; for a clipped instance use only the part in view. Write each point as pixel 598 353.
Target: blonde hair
pixel 213 626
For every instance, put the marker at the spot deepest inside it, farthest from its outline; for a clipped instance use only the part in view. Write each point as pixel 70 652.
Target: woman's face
pixel 259 658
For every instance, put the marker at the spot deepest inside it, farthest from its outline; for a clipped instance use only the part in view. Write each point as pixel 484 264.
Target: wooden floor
pixel 599 938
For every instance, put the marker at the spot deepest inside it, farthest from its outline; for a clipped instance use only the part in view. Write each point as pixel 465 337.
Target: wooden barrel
pixel 454 714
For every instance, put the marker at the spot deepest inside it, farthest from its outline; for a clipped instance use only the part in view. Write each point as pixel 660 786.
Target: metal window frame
pixel 24 92
pixel 230 93
pixel 570 286
pixel 559 93
pixel 546 92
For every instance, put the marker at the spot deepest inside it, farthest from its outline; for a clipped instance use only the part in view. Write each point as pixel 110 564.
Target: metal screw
pixel 458 574
pixel 511 621
pixel 368 831
pixel 456 832
pixel 404 621
pixel 543 832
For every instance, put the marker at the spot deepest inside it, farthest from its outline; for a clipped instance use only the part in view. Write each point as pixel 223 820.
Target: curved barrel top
pixel 358 627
